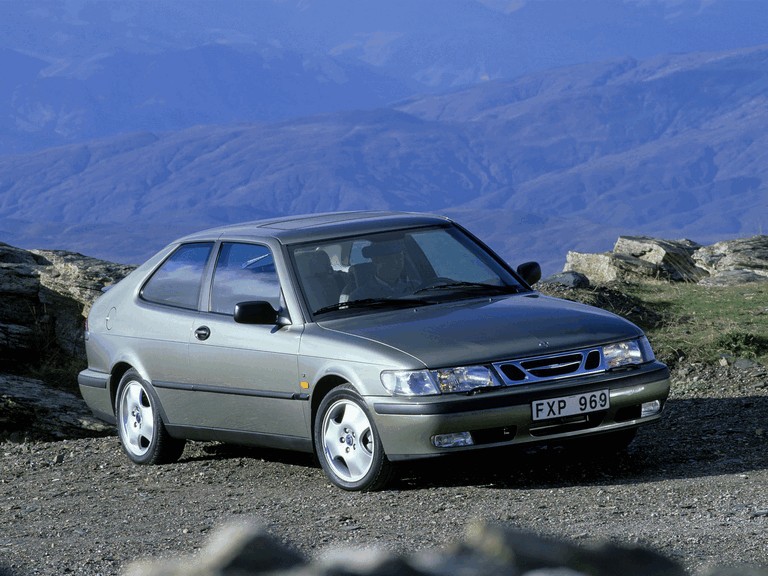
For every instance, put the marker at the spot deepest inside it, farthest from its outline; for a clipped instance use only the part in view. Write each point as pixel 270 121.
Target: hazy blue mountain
pixel 74 70
pixel 658 143
pixel 209 84
pixel 673 146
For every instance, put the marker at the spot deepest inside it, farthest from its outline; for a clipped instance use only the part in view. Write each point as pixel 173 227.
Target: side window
pixel 244 272
pixel 356 252
pixel 177 282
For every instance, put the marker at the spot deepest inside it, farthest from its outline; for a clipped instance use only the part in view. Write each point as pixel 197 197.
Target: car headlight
pixel 446 380
pixel 409 383
pixel 631 352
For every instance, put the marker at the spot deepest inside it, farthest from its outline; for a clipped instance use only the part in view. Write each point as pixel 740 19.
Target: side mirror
pixel 256 312
pixel 530 272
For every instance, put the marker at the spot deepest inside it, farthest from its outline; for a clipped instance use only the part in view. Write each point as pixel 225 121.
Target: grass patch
pixel 58 371
pixel 703 324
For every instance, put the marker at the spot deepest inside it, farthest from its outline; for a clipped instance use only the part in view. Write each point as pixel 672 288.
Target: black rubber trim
pixel 507 396
pixel 231 391
pixel 87 379
pixel 239 437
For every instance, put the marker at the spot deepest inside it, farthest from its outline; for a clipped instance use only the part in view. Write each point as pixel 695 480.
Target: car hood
pixel 482 331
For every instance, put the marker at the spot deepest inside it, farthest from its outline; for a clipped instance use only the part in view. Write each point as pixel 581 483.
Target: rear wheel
pixel 140 428
pixel 347 443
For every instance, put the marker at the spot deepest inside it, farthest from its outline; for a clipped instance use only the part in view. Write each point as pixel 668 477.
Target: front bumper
pixel 504 417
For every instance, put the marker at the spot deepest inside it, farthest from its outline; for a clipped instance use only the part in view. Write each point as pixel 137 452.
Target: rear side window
pixel 177 282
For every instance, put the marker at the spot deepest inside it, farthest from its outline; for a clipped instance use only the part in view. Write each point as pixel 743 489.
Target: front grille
pixel 553 366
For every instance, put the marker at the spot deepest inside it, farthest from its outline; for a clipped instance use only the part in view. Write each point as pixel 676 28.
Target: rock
pixel 672 259
pixel 245 549
pixel 741 254
pixel 19 307
pixel 44 299
pixel 237 549
pixel 568 279
pixel 78 277
pixel 18 279
pixel 32 410
pixel 639 257
pixel 733 277
pixel 734 261
pixel 17 339
pixel 608 267
pixel 11 255
pixel 746 364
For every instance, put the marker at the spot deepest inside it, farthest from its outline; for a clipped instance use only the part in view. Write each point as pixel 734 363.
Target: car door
pixel 167 310
pixel 247 375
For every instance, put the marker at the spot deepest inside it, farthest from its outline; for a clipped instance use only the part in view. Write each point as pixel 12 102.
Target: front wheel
pixel 347 443
pixel 139 426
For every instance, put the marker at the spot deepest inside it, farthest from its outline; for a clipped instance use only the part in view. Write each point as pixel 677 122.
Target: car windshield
pixel 397 268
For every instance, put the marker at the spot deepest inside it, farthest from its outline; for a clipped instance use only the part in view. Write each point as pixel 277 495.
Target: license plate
pixel 570 405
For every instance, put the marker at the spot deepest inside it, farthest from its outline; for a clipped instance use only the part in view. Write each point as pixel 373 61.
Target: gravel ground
pixel 693 487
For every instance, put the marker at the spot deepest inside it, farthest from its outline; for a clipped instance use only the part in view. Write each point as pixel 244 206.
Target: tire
pixel 139 426
pixel 347 443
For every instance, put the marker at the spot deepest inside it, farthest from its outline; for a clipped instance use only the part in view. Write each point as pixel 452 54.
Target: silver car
pixel 366 338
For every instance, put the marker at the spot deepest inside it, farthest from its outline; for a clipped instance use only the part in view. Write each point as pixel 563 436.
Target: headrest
pixel 316 262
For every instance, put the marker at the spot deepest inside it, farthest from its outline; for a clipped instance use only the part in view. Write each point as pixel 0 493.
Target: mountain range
pixel 164 130
pixel 75 70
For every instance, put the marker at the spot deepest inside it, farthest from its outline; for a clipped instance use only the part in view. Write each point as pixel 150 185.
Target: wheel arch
pixel 322 388
pixel 160 447
pixel 348 471
pixel 118 371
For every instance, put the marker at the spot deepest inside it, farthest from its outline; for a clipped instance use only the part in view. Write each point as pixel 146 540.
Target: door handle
pixel 202 333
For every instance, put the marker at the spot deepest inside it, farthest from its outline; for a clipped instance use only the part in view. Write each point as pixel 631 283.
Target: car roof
pixel 308 227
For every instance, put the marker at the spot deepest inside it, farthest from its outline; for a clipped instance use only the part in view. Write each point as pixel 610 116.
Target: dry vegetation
pixel 688 322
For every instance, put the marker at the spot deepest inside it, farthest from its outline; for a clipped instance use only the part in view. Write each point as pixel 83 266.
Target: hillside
pixel 562 160
pixel 75 70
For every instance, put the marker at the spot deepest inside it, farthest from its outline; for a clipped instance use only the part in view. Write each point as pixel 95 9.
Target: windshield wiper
pixel 373 303
pixel 473 286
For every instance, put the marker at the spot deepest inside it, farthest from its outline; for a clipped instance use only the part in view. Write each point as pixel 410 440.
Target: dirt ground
pixel 693 487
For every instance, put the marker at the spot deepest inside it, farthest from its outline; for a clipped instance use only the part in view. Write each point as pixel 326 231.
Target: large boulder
pixel 607 267
pixel 671 259
pixel 247 549
pixel 748 256
pixel 639 257
pixel 33 410
pixel 44 299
